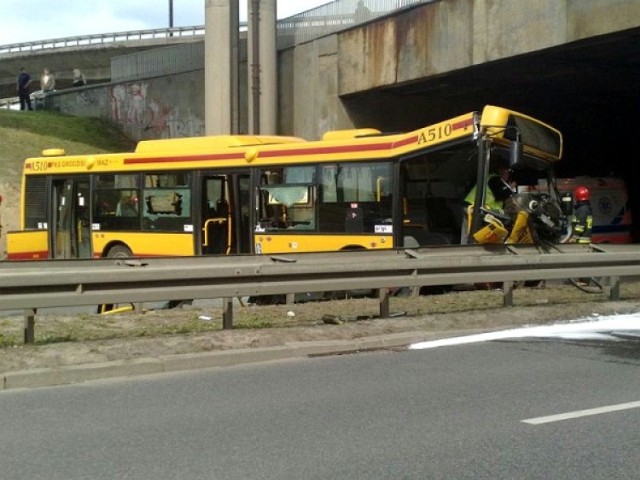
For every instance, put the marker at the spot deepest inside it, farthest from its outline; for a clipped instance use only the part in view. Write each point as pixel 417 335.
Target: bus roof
pixel 231 151
pixel 208 143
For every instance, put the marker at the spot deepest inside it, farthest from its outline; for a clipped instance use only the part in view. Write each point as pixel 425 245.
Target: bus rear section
pixel 612 220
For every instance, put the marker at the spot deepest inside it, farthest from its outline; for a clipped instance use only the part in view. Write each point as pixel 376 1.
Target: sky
pixel 595 327
pixel 31 20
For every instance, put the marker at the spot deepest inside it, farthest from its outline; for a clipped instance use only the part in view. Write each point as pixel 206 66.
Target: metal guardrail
pixel 40 284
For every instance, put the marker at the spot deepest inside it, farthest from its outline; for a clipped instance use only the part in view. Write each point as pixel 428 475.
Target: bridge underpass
pixel 590 90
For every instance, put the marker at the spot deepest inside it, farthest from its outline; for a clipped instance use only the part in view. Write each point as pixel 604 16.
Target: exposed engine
pixel 545 213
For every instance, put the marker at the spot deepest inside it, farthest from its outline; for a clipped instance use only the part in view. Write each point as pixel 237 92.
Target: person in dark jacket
pixel 22 85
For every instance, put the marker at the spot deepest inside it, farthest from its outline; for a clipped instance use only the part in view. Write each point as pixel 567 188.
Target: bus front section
pixel 516 198
pixel 495 184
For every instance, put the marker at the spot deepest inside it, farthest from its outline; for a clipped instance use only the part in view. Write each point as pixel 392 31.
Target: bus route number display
pixel 436 133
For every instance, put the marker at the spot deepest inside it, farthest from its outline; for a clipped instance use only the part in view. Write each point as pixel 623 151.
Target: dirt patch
pixel 89 338
pixel 9 217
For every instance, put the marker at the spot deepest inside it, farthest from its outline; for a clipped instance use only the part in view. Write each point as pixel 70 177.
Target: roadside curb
pixel 47 377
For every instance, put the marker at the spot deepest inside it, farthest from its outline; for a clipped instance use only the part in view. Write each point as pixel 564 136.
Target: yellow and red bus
pixel 235 194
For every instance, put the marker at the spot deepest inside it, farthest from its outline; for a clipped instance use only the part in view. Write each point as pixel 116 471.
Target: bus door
pixel 71 225
pixel 225 213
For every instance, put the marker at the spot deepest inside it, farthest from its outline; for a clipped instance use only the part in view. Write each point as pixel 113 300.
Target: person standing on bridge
pixel 24 93
pixel 47 81
pixel 362 13
pixel 79 79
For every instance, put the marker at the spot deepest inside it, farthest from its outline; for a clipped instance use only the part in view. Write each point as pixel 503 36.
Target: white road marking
pixel 582 413
pixel 595 327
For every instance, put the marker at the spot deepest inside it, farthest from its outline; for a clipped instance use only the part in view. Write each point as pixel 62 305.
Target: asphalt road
pixel 481 411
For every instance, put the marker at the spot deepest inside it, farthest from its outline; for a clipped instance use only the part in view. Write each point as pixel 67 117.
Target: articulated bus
pixel 238 194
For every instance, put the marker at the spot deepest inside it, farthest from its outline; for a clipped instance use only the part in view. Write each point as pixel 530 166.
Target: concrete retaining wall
pixel 162 107
pixel 316 79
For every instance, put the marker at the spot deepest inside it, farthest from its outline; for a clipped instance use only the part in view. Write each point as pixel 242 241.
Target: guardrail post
pixel 383 295
pixel 29 325
pixel 614 288
pixel 227 313
pixel 507 294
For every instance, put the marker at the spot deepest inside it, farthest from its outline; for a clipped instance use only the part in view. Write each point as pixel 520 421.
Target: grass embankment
pixel 26 134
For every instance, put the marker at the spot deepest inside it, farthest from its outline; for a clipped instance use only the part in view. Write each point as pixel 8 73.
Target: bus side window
pixel 355 198
pixel 166 203
pixel 286 198
pixel 105 203
pixel 127 206
pixel 286 206
pixel 116 202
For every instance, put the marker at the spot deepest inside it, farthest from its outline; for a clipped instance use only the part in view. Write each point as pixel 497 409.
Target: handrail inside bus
pixel 205 228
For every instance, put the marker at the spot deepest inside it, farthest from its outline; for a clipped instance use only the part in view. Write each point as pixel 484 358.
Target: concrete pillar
pixel 235 66
pixel 262 61
pixel 220 67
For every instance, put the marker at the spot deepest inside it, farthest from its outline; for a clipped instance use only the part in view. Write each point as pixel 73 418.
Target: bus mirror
pixel 515 152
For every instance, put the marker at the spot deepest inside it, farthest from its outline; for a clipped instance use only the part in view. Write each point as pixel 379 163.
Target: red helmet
pixel 582 194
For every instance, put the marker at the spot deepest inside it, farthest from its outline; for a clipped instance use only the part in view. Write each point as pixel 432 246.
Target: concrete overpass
pixel 92 54
pixel 573 63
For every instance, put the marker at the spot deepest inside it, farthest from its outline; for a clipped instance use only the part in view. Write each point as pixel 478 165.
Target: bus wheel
pixel 119 251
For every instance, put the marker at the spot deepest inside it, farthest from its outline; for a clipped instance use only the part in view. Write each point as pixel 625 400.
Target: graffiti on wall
pixel 87 98
pixel 144 115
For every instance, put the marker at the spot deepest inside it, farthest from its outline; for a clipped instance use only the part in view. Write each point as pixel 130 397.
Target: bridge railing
pixel 7 103
pixel 103 38
pixel 303 27
pixel 335 16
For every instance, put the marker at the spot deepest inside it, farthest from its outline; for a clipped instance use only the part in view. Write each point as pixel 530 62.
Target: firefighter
pixel 582 219
pixel 500 189
pixel 498 197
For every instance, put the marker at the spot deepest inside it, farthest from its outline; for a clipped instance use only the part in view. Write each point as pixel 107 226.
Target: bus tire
pixel 119 251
